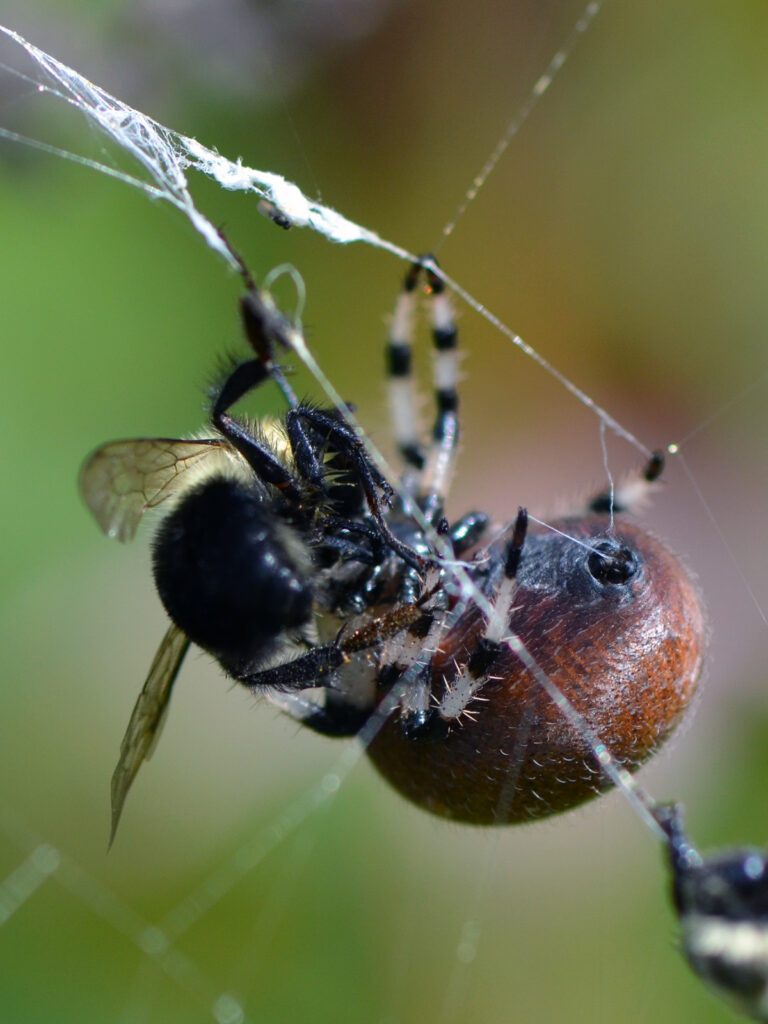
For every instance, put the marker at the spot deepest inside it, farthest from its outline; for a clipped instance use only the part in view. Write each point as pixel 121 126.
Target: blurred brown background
pixel 624 235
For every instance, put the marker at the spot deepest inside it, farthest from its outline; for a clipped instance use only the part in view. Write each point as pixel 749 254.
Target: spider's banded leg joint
pixel 399 367
pixel 632 492
pixel 516 543
pixel 445 432
pixel 498 621
pixel 419 719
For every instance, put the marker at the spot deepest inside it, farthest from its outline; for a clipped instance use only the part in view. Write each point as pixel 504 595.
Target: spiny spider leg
pixel 498 624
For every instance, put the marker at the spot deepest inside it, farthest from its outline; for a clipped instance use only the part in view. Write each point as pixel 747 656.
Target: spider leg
pixel 263 325
pixel 435 466
pixel 630 493
pixel 340 537
pixel 467 531
pixel 402 398
pixel 463 685
pixel 498 622
pixel 342 716
pixel 339 715
pixel 441 457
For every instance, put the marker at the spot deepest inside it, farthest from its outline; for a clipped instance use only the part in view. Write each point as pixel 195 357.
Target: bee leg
pixel 346 442
pixel 353 541
pixel 244 378
pixel 330 428
pixel 309 670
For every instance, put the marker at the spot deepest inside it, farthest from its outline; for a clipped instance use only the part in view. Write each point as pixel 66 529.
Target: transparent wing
pixel 147 718
pixel 122 479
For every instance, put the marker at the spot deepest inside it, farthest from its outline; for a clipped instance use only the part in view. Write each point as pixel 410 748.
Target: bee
pixel 358 609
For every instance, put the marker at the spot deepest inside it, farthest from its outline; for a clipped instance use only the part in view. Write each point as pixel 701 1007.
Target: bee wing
pixel 147 718
pixel 122 479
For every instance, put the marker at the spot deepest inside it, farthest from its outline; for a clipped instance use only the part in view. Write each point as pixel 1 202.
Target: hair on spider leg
pixel 632 492
pixel 287 556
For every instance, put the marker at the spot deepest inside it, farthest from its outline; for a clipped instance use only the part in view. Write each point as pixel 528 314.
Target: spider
pixel 287 555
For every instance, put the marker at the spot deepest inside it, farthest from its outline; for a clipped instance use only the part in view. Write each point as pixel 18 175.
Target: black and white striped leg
pixel 441 457
pixel 461 696
pixel 498 622
pixel 402 398
pixel 630 493
pixel 436 466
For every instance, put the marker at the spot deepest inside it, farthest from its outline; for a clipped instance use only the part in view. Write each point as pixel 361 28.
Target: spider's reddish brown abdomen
pixel 628 658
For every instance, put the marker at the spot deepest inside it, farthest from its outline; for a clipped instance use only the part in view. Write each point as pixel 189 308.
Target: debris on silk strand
pixel 167 155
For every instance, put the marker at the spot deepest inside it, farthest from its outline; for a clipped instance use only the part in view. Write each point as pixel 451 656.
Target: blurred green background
pixel 625 236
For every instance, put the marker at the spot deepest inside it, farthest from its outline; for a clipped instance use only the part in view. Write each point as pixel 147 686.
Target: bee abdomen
pixel 228 574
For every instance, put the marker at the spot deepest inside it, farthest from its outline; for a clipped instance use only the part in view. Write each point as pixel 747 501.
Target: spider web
pixel 42 864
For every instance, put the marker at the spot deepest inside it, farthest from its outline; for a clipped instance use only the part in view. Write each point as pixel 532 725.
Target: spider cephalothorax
pixel 355 605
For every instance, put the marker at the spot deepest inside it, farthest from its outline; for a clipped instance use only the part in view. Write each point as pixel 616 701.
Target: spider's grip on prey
pixel 288 556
